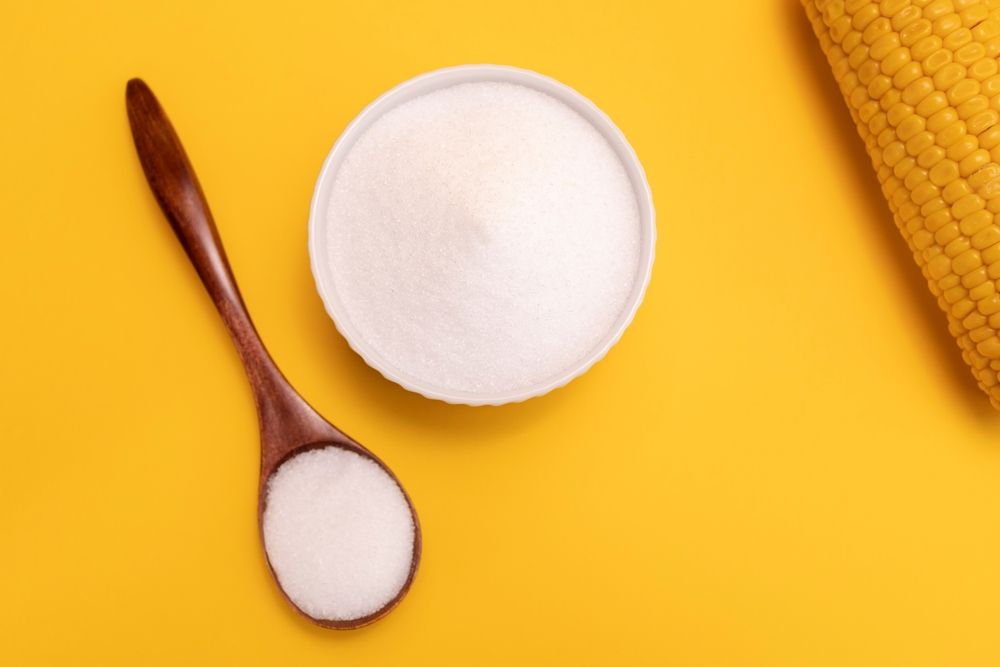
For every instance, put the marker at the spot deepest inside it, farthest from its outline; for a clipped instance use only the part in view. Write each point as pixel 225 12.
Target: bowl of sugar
pixel 482 234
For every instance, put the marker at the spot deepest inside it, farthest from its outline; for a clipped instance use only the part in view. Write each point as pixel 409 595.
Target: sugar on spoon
pixel 340 535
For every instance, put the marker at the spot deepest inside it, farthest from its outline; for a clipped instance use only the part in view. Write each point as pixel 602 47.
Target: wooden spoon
pixel 288 425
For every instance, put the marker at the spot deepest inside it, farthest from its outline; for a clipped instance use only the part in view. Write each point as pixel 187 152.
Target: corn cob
pixel 922 83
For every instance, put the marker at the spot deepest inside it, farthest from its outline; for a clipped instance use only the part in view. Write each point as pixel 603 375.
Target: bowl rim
pixel 444 78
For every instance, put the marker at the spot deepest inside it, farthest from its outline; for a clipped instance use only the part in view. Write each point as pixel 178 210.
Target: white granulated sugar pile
pixel 483 237
pixel 338 533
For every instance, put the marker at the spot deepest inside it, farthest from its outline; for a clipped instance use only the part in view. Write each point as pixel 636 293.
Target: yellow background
pixel 784 461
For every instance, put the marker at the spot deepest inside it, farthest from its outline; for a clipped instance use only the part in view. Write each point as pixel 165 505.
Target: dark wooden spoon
pixel 288 425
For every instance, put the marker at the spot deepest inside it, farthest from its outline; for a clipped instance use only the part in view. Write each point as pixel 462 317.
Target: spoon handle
pixel 173 181
pixel 282 412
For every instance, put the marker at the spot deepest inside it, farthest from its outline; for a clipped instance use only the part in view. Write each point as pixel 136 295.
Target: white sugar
pixel 483 237
pixel 338 533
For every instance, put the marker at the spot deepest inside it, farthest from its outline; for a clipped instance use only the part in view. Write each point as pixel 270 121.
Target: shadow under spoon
pixel 319 564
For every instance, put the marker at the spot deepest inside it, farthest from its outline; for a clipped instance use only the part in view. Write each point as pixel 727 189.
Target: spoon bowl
pixel 288 425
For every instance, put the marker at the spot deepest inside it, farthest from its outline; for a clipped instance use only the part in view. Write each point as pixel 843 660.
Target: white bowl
pixel 444 78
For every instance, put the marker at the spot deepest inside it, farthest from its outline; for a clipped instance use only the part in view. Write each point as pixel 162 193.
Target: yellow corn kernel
pixel 922 81
pixel 954 295
pixel 890 98
pixel 924 192
pixel 934 206
pixel 974 359
pixel 983 68
pixel 938 8
pixel 879 86
pixel 981 334
pixel 877 120
pixel 893 153
pixel 956 190
pixel 959 89
pixel 956 247
pixel 990 348
pixel 982 290
pixel 982 121
pixel 970 54
pixel 864 15
pixel 867 112
pixel 868 71
pixel 948 281
pixel 967 205
pixel 973 279
pixel 919 142
pixel 924 46
pixel 972 106
pixel 957 39
pixel 943 173
pixel 967 261
pixel 991 256
pixel 942 119
pixel 900 112
pixel 936 221
pixel 989 306
pixel 990 192
pixel 990 139
pixel 889 8
pixel 913 228
pixel 933 102
pixel 857 56
pixel 914 179
pixel 945 26
pixel 930 158
pixel 908 213
pixel 976 222
pixel 992 47
pixel 984 176
pixel 947 234
pixel 973 162
pixel 991 86
pixel 962 308
pixel 917 91
pixel 963 147
pixel 901 171
pixel 882 46
pixel 910 71
pixel 974 320
pixel 986 30
pixel 939 267
pixel 876 29
pixel 948 135
pixel 987 237
pixel 935 62
pixel 974 14
pixel 895 60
